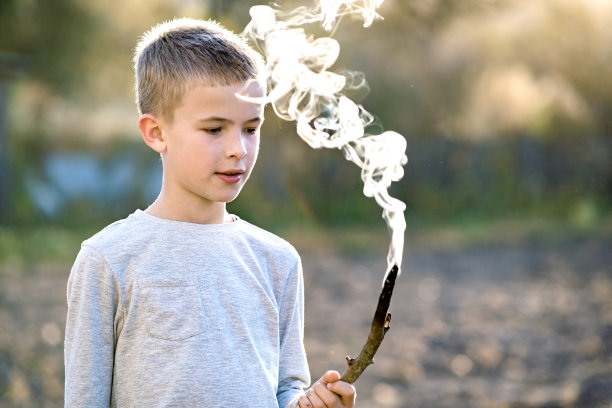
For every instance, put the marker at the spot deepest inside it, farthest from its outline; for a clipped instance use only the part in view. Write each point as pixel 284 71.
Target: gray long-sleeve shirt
pixel 171 314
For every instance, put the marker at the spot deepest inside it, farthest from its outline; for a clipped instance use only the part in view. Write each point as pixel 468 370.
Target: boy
pixel 184 304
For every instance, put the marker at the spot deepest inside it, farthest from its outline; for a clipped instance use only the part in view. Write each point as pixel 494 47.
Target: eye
pixel 213 131
pixel 250 131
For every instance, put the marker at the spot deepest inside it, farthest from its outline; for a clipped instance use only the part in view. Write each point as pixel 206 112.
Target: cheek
pixel 194 157
pixel 253 147
pixel 253 152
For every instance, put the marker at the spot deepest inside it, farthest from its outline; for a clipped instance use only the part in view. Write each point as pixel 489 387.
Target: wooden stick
pixel 380 326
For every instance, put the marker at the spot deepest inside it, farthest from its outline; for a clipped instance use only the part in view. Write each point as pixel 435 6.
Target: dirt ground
pixel 524 324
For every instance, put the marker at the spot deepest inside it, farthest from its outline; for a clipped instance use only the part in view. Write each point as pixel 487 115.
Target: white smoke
pixel 302 89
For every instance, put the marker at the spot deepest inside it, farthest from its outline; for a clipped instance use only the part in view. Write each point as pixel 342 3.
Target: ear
pixel 150 128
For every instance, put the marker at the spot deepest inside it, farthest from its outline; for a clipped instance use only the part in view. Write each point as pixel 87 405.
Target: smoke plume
pixel 301 88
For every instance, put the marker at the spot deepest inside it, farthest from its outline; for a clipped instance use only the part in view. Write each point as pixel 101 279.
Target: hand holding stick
pixel 380 326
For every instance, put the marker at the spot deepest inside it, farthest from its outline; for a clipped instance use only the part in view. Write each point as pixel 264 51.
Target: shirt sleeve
pixel 93 315
pixel 294 374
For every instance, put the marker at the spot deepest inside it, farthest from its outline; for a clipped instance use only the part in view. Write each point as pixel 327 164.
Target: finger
pixel 303 402
pixel 329 398
pixel 314 399
pixel 345 390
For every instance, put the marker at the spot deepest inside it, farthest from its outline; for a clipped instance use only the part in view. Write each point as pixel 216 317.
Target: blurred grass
pixel 507 231
pixel 41 243
pixel 61 243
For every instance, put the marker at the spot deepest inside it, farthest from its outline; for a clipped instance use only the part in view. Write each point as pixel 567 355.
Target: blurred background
pixel 506 105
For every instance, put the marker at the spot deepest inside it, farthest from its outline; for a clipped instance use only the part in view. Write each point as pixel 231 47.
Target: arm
pixel 293 373
pixel 89 345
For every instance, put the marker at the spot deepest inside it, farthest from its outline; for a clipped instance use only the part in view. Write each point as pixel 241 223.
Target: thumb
pixel 330 376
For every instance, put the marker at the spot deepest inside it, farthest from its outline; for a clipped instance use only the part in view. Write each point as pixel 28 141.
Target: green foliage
pixel 498 101
pixel 51 35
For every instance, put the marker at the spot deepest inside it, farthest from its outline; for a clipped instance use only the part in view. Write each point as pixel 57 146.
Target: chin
pixel 228 199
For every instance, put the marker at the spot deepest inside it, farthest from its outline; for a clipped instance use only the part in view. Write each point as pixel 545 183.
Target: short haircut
pixel 184 53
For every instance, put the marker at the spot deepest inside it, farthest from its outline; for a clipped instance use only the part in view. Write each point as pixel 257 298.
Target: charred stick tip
pixel 380 326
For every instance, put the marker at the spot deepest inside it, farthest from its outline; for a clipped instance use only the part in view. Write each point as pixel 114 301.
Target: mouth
pixel 230 176
pixel 232 172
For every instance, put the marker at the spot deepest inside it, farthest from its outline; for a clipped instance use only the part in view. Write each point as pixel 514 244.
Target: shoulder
pixel 123 235
pixel 110 251
pixel 268 241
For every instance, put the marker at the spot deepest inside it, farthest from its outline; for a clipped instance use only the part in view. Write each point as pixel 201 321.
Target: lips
pixel 230 176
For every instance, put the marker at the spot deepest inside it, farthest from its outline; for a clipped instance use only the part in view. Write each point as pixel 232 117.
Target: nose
pixel 235 146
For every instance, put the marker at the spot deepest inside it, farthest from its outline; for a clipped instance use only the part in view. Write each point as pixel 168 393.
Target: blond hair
pixel 183 53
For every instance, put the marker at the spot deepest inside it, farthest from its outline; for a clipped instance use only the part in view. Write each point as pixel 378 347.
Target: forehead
pixel 224 98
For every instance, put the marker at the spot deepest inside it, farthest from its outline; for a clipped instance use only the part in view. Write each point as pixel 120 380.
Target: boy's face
pixel 211 144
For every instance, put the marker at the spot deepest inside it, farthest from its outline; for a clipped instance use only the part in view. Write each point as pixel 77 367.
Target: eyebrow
pixel 256 119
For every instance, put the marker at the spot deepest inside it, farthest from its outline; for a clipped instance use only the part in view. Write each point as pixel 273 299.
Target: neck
pixel 211 213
